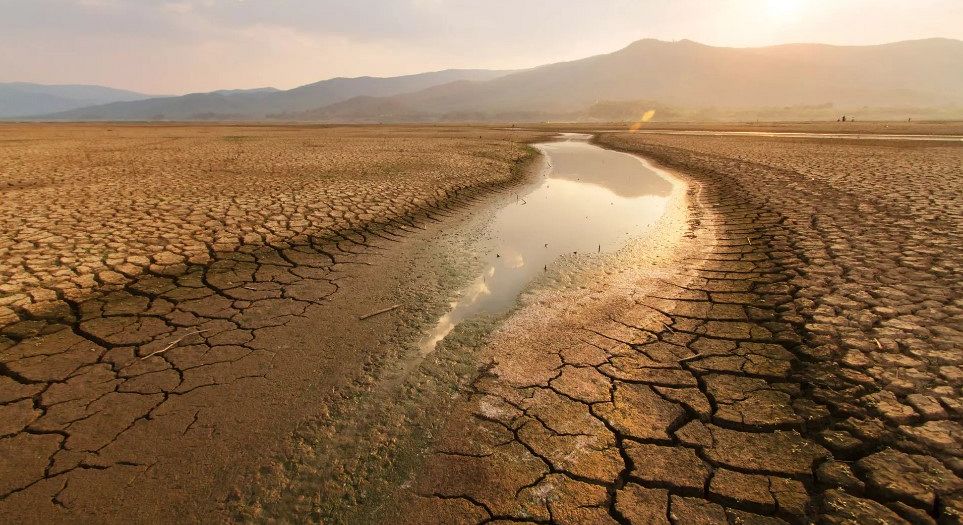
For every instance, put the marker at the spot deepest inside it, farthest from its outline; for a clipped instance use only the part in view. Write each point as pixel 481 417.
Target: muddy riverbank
pixel 776 344
pixel 154 393
pixel 392 425
pixel 791 361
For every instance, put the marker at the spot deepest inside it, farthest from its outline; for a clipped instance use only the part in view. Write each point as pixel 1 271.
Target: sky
pixel 182 46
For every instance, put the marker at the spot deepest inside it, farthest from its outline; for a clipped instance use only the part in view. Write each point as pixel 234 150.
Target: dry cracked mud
pixel 798 361
pixel 787 349
pixel 159 285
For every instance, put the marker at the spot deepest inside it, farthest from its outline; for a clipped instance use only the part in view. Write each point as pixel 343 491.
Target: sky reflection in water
pixel 591 200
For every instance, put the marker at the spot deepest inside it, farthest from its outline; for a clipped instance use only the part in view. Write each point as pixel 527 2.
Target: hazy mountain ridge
pixel 19 99
pixel 685 74
pixel 682 80
pixel 260 103
pixel 240 91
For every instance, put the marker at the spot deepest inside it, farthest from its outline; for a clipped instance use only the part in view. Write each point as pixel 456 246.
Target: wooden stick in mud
pixel 173 344
pixel 379 312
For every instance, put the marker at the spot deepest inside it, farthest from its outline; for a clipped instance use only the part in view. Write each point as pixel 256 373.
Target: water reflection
pixel 591 200
pixel 623 175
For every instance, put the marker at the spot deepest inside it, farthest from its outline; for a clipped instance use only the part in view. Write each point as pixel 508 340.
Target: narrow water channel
pixel 589 201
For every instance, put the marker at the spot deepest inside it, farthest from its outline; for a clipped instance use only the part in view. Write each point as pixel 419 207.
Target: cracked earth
pixel 798 361
pixel 151 276
pixel 175 300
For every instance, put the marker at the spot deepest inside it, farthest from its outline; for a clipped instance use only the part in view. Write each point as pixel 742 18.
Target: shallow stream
pixel 589 200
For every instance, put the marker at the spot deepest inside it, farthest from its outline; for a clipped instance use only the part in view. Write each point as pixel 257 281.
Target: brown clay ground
pixel 793 357
pixel 901 128
pixel 802 363
pixel 170 304
pixel 849 254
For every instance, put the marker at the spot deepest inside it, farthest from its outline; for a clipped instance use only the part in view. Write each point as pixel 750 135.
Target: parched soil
pixel 863 247
pixel 797 360
pixel 90 205
pixel 177 300
pixel 173 297
pixel 952 128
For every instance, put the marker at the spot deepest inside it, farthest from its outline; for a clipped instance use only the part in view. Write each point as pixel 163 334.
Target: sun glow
pixel 783 10
pixel 647 116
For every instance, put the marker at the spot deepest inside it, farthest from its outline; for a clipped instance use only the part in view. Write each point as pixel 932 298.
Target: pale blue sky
pixel 178 46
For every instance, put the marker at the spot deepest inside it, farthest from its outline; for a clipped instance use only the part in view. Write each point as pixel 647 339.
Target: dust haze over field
pixel 448 262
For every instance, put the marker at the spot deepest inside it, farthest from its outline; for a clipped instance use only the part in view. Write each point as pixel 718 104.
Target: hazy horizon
pixel 176 47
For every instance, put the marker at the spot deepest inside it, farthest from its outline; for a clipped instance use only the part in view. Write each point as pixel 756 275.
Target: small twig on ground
pixel 379 312
pixel 173 344
pixel 878 344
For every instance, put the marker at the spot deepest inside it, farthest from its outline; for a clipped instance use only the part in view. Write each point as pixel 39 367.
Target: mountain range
pixel 19 99
pixel 259 104
pixel 681 78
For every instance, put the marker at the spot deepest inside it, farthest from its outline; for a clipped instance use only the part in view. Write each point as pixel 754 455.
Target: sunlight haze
pixel 180 46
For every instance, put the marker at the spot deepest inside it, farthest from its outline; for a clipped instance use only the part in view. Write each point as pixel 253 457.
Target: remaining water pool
pixel 590 200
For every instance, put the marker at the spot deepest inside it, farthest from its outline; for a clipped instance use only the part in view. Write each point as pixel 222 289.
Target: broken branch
pixel 173 344
pixel 379 312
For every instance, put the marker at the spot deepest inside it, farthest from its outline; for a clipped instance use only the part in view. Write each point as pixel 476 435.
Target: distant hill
pixel 686 74
pixel 680 80
pixel 264 103
pixel 18 99
pixel 240 91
